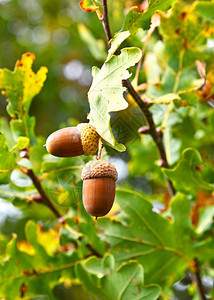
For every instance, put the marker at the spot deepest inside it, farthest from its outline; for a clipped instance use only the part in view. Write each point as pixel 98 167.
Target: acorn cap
pixel 99 169
pixel 89 138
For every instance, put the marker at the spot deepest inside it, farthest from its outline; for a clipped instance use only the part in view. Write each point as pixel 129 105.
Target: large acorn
pixel 73 141
pixel 99 185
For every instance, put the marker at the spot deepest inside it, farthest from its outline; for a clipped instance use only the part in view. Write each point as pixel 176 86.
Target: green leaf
pixel 171 67
pixel 206 219
pixel 172 145
pixel 18 128
pixel 6 130
pixel 205 249
pixel 7 160
pixel 89 230
pixel 96 47
pixel 205 9
pixel 184 32
pixel 144 235
pixel 144 153
pixel 18 199
pixel 181 211
pixel 22 143
pixel 106 92
pixel 20 86
pixel 62 164
pixel 166 99
pixel 186 175
pixel 211 119
pixel 138 19
pixel 32 262
pixel 116 42
pixel 63 183
pixel 128 279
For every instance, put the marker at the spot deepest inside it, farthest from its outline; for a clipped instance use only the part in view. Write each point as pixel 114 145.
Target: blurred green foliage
pixel 147 242
pixel 54 32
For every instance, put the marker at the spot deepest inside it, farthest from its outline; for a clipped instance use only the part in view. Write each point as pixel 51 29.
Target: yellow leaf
pixel 25 247
pixel 48 239
pixel 88 5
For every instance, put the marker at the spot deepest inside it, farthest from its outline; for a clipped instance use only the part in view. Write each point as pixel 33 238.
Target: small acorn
pixel 73 141
pixel 99 186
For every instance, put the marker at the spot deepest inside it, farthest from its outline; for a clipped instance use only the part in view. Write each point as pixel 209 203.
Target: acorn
pixel 99 186
pixel 73 141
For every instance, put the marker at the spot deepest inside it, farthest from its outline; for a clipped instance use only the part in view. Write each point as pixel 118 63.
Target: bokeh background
pixel 66 40
pixel 69 42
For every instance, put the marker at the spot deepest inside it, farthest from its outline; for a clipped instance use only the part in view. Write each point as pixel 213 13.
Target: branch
pixel 93 251
pixel 105 22
pixel 41 191
pixel 152 130
pixel 197 279
pixel 143 105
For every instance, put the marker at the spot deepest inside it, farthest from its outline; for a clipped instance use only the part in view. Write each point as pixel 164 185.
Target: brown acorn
pixel 99 186
pixel 73 141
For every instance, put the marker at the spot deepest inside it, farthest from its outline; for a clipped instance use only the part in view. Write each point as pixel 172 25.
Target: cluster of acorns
pixel 98 176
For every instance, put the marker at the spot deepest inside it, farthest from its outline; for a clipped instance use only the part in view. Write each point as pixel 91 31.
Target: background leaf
pixel 186 175
pixel 137 19
pixel 144 235
pixel 96 47
pixel 20 86
pixel 7 160
pixel 205 9
pixel 29 264
pixel 147 231
pixel 22 143
pixel 129 279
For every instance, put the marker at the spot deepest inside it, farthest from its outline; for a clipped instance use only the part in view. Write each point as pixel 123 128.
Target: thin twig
pixel 197 280
pixel 100 147
pixel 36 181
pixel 152 131
pixel 41 191
pixel 93 250
pixel 105 22
pixel 143 105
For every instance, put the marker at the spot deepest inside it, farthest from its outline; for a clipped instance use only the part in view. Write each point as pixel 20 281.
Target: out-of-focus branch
pixel 42 197
pixel 197 280
pixel 41 191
